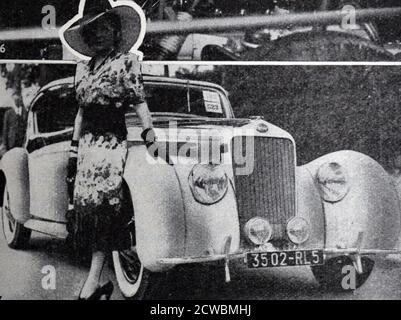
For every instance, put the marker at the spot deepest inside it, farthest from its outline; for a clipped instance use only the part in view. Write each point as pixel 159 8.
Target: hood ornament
pixel 262 127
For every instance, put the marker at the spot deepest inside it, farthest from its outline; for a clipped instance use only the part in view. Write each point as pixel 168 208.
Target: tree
pixel 325 108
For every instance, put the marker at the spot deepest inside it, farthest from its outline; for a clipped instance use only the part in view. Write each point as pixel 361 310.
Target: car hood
pixel 189 139
pixel 179 130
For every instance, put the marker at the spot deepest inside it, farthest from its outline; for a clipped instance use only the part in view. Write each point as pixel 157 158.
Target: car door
pixel 52 118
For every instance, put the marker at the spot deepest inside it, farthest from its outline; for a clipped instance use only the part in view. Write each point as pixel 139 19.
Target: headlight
pixel 208 183
pixel 258 230
pixel 298 230
pixel 333 182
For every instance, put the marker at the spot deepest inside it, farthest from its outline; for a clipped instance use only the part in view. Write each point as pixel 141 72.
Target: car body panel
pixel 195 43
pixel 47 172
pixel 158 208
pixel 310 207
pixel 14 165
pixel 208 226
pixel 371 206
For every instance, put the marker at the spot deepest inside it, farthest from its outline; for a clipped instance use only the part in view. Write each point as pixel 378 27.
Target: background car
pixel 246 201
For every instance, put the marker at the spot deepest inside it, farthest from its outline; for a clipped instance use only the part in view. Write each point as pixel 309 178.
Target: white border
pixel 113 3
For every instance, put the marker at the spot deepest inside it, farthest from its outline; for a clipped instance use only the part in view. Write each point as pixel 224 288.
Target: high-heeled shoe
pixel 105 290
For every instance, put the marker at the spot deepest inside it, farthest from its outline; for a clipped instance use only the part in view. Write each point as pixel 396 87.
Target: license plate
pixel 285 258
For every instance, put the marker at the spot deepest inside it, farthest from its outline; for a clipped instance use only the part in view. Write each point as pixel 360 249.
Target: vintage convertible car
pixel 245 200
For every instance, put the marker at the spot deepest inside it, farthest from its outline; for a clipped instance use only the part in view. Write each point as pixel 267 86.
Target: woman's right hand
pixel 72 168
pixel 70 179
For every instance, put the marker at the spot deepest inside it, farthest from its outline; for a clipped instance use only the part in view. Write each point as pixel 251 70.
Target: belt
pixel 104 118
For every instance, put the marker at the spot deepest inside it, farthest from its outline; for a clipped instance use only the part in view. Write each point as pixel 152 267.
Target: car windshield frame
pixel 60 91
pixel 225 102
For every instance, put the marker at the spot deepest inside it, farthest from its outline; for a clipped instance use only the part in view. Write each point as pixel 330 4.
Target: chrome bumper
pixel 243 255
pixel 354 253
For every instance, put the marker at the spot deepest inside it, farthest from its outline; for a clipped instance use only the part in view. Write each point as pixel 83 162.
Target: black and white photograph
pixel 223 30
pixel 200 156
pixel 254 182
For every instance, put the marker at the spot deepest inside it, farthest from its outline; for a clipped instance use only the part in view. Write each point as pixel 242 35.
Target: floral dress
pixel 104 93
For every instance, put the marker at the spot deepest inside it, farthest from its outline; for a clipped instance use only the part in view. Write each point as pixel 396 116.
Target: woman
pixel 106 86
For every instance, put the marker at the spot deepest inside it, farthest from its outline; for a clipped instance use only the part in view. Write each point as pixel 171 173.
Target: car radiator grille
pixel 269 190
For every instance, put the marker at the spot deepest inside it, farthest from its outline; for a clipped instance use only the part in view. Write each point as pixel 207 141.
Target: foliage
pixel 325 108
pixel 16 74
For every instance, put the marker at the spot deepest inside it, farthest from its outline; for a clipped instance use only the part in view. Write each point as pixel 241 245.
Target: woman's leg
pixel 95 272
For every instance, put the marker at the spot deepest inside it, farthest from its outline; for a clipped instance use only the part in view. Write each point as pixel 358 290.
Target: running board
pixel 55 229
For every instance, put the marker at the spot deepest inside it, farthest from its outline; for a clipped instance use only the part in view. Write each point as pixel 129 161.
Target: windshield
pixel 56 110
pixel 185 101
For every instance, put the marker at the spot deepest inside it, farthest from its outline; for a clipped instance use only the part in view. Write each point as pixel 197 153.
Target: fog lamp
pixel 258 231
pixel 298 230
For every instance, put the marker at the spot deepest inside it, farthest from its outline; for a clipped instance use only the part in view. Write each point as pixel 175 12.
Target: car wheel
pixel 16 235
pixel 330 275
pixel 135 281
pixel 319 46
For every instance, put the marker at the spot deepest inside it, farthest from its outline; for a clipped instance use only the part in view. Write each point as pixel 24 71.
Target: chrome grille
pixel 269 190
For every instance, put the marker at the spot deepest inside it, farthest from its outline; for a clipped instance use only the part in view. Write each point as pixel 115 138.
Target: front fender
pixel 371 206
pixel 158 209
pixel 309 207
pixel 209 227
pixel 169 222
pixel 15 167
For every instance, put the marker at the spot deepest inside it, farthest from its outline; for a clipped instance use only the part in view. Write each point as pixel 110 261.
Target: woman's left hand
pixel 149 137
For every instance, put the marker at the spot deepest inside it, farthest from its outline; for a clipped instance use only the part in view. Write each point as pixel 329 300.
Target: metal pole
pixel 267 21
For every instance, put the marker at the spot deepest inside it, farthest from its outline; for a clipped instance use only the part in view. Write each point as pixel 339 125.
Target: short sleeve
pixel 130 77
pixel 78 73
pixel 79 79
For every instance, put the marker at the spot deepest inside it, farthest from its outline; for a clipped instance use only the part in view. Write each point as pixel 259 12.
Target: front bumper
pixel 242 255
pixel 356 252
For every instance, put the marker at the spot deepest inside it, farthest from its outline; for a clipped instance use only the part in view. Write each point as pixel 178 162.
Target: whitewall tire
pixel 15 234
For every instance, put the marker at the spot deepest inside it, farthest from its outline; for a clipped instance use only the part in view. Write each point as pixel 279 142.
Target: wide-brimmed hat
pixel 94 10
